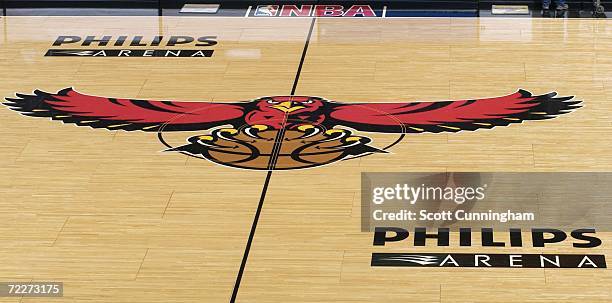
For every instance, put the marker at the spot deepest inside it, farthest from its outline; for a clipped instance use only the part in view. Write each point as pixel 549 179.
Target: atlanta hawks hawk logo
pixel 286 132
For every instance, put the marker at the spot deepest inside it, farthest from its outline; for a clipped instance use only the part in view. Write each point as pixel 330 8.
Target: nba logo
pixel 266 10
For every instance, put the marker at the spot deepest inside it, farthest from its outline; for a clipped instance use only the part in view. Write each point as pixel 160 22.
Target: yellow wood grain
pixel 119 221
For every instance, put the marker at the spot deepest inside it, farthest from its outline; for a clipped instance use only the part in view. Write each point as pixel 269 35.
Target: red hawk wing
pixel 449 116
pixel 70 106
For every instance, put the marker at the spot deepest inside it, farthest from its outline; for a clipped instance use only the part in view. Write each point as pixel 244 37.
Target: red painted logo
pixel 287 132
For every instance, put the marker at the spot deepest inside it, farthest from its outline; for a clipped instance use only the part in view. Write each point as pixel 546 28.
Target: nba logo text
pixel 308 10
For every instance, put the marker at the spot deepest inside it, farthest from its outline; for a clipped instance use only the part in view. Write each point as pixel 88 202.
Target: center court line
pixel 271 164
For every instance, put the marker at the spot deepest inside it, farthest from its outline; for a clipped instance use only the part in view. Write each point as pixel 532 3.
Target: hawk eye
pixel 272 102
pixel 308 102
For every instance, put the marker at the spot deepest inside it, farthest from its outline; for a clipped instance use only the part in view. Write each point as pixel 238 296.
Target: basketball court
pixel 141 208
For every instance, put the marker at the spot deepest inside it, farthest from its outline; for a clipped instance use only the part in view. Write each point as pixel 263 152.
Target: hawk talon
pixel 305 127
pixel 353 138
pixel 253 130
pixel 260 127
pixel 231 131
pixel 334 131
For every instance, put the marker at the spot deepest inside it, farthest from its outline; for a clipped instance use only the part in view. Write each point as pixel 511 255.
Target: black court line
pixel 299 70
pixel 271 164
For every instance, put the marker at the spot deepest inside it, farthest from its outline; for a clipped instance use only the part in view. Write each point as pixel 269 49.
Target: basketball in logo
pixel 260 148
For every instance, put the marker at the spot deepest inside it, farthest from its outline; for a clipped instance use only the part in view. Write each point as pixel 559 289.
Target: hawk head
pixel 289 104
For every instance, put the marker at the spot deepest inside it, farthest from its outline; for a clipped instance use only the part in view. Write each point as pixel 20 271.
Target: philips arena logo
pixel 133 46
pixel 541 238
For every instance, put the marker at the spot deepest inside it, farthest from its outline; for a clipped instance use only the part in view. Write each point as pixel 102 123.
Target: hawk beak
pixel 287 107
